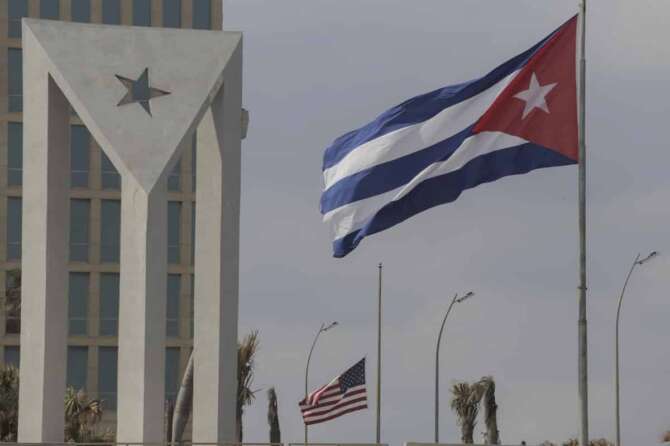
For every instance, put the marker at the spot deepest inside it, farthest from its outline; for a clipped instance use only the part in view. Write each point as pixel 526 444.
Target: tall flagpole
pixel 379 354
pixel 583 369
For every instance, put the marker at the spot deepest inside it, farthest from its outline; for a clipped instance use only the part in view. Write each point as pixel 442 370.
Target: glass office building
pixel 95 205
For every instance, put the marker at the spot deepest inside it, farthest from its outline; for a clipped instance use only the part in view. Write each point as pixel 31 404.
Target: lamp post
pixel 458 300
pixel 636 262
pixel 322 329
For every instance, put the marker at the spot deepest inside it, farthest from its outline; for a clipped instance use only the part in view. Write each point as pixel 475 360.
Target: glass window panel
pixel 78 304
pixel 202 14
pixel 174 229
pixel 142 12
pixel 173 291
pixel 172 13
pixel 171 373
pixel 110 176
pixel 14 153
pixel 12 355
pixel 193 233
pixel 15 10
pixel 111 12
pixel 15 79
pixel 110 230
pixel 49 9
pixel 192 306
pixel 13 302
pixel 79 229
pixel 107 372
pixel 80 142
pixel 81 10
pixel 174 177
pixel 13 228
pixel 193 160
pixel 77 366
pixel 109 304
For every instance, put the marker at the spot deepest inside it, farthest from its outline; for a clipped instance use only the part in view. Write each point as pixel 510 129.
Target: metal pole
pixel 309 357
pixel 437 371
pixel 583 352
pixel 379 354
pixel 618 312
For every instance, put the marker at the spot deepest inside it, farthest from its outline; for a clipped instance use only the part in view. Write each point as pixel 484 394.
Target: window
pixel 193 233
pixel 171 13
pixel 80 141
pixel 171 373
pixel 111 12
pixel 81 10
pixel 193 160
pixel 173 291
pixel 174 177
pixel 79 234
pixel 78 304
pixel 109 304
pixel 110 230
pixel 12 355
pixel 142 12
pixel 110 176
pixel 202 14
pixel 14 153
pixel 16 9
pixel 107 363
pixel 77 366
pixel 49 9
pixel 15 80
pixel 192 305
pixel 174 228
pixel 13 228
pixel 13 302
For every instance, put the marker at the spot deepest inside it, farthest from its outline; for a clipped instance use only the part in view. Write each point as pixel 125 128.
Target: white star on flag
pixel 534 97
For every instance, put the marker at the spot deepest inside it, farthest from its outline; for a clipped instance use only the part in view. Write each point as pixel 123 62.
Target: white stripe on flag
pixel 410 139
pixel 352 216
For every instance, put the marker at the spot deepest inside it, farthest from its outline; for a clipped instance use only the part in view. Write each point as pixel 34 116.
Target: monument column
pixel 217 261
pixel 44 265
pixel 141 360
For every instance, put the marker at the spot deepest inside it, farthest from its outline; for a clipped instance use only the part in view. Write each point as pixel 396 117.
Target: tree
pixel 273 416
pixel 490 410
pixel 246 353
pixel 81 417
pixel 465 402
pixel 13 301
pixel 9 403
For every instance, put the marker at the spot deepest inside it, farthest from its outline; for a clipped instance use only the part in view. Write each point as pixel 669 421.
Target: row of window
pixel 80 161
pixel 108 317
pixel 80 11
pixel 110 230
pixel 77 370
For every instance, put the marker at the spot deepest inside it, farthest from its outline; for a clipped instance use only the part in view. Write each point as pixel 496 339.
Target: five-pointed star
pixel 534 97
pixel 140 91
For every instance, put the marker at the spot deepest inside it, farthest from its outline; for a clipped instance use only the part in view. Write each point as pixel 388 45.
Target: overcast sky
pixel 315 69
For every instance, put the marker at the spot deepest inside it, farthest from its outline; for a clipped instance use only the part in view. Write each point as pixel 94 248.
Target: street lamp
pixel 323 329
pixel 457 300
pixel 636 262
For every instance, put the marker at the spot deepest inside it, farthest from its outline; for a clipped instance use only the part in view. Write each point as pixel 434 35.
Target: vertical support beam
pixel 141 363
pixel 217 262
pixel 46 164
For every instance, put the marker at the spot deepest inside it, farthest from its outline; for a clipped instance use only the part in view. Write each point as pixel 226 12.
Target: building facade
pixel 95 206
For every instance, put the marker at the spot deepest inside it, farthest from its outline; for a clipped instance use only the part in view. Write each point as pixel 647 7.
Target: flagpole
pixel 583 369
pixel 379 354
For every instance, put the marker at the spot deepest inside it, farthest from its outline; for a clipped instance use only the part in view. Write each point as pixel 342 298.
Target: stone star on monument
pixel 139 91
pixel 534 97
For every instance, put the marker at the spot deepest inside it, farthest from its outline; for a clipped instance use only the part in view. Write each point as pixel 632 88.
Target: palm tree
pixel 81 416
pixel 490 409
pixel 9 402
pixel 246 352
pixel 273 416
pixel 465 402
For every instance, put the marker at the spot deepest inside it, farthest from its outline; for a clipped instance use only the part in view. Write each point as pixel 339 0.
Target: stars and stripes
pixel 344 394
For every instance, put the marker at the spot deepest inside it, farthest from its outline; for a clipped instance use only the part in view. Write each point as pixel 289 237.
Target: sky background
pixel 315 69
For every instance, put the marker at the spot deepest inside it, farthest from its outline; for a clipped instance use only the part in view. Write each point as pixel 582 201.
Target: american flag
pixel 343 395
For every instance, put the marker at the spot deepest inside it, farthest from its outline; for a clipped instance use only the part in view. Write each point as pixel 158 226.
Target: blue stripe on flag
pixel 423 107
pixel 390 175
pixel 447 188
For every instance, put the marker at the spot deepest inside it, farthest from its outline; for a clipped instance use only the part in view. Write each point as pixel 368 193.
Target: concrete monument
pixel 141 92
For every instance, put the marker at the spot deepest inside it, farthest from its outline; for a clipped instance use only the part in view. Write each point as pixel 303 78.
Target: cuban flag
pixel 426 151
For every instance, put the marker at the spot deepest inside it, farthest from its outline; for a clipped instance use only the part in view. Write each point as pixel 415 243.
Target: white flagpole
pixel 583 369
